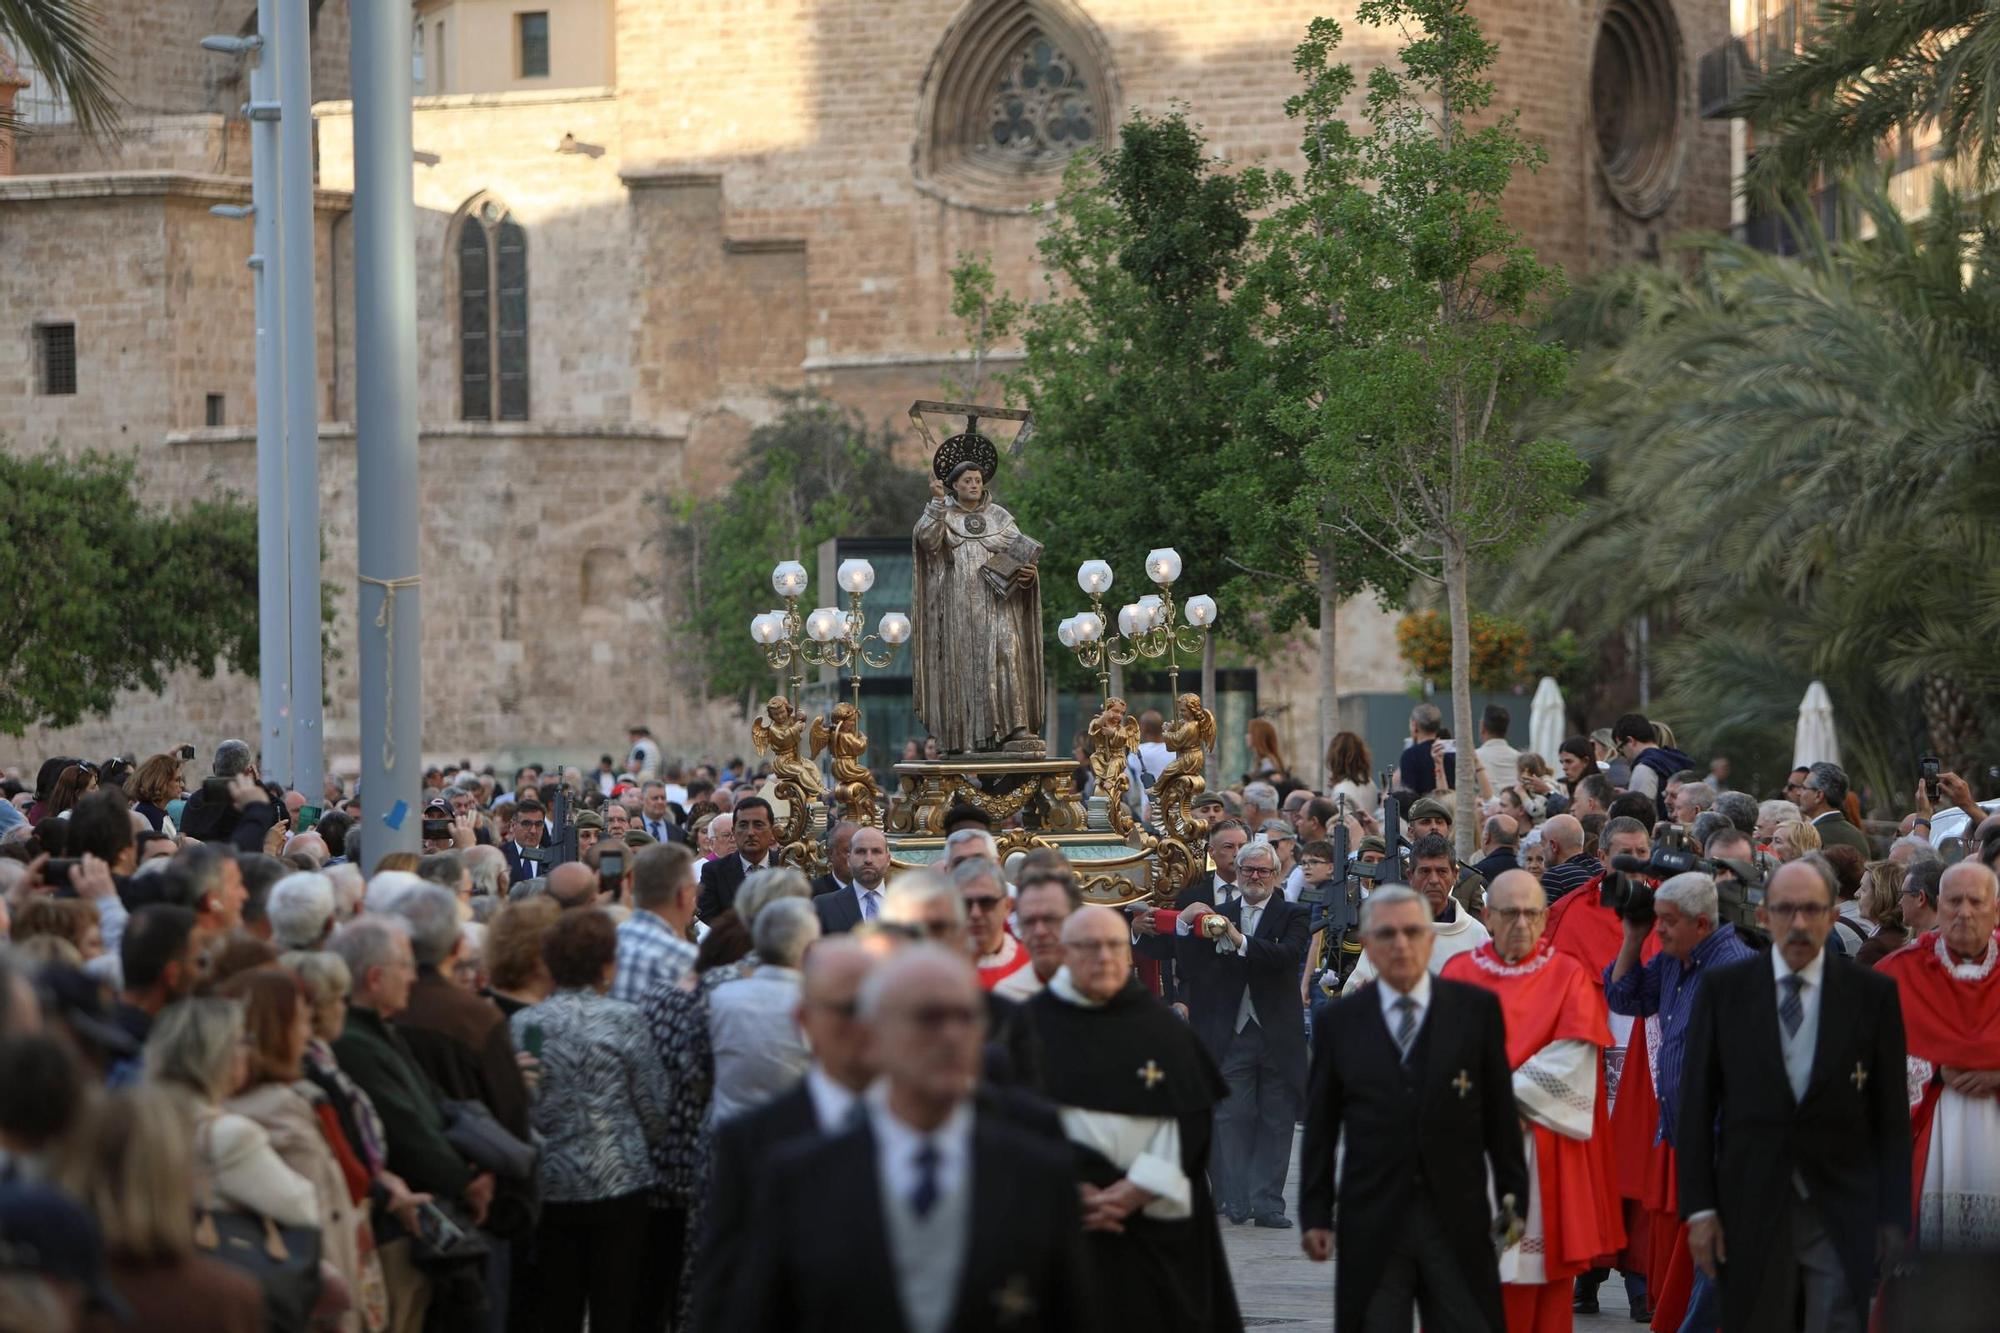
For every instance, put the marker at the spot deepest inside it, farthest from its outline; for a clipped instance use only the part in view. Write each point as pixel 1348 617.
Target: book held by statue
pixel 1011 559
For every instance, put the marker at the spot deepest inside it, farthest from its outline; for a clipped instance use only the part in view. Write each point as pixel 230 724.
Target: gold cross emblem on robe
pixel 1150 1074
pixel 1859 1078
pixel 1463 1083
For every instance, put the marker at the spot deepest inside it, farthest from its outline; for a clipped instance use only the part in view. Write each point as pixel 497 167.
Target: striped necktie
pixel 1792 1010
pixel 1406 1025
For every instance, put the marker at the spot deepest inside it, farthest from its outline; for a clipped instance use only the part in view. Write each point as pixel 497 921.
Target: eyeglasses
pixel 1255 872
pixel 1312 861
pixel 935 1016
pixel 1096 946
pixel 1388 933
pixel 1518 913
pixel 1803 911
pixel 982 904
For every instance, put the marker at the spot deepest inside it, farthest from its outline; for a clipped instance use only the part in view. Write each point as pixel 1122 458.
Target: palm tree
pixel 1871 68
pixel 1789 459
pixel 60 38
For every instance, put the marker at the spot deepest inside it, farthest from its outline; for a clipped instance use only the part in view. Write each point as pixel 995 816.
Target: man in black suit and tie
pixel 1820 798
pixel 1794 1128
pixel 932 1213
pixel 530 820
pixel 754 830
pixel 656 817
pixel 1243 999
pixel 839 873
pixel 826 1101
pixel 1414 1070
pixel 847 907
pixel 1225 839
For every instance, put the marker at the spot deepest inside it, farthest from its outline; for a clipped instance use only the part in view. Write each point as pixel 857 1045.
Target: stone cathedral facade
pixel 636 218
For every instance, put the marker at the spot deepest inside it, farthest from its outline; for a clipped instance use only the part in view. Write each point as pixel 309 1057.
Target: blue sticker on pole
pixel 397 814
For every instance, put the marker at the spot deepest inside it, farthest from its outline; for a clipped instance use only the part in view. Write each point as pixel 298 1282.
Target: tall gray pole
pixel 274 592
pixel 385 428
pixel 295 240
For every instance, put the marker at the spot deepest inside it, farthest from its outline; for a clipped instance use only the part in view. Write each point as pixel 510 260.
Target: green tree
pixel 99 595
pixel 814 472
pixel 60 38
pixel 1789 467
pixel 1870 70
pixel 1417 387
pixel 1137 363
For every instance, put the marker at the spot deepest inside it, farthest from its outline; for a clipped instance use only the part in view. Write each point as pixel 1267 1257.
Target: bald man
pixel 1137 1091
pixel 573 884
pixel 1570 867
pixel 824 1102
pixel 930 1204
pixel 1557 1032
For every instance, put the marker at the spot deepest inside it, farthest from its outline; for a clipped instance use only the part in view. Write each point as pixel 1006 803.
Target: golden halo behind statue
pixel 965 447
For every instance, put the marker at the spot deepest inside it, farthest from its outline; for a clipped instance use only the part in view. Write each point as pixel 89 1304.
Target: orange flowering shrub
pixel 1503 653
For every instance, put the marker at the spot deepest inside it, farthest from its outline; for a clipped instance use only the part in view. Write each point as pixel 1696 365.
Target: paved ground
pixel 1278 1287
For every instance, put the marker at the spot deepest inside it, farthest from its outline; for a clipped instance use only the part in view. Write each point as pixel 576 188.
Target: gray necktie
pixel 1792 1010
pixel 868 904
pixel 1406 1026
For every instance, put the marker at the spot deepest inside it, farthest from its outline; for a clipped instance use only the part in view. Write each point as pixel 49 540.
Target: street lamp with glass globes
pixel 1147 628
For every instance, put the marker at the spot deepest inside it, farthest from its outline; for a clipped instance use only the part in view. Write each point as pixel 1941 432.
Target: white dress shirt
pixel 1798 1047
pixel 833 1105
pixel 897 1145
pixel 1392 1015
pixel 1253 913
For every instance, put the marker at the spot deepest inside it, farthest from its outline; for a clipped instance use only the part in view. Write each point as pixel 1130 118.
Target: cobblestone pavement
pixel 1279 1288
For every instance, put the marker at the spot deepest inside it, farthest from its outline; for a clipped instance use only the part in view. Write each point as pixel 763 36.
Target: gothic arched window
pixel 1016 89
pixel 492 253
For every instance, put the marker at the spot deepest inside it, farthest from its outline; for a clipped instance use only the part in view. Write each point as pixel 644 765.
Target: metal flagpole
pixel 292 38
pixel 385 427
pixel 274 613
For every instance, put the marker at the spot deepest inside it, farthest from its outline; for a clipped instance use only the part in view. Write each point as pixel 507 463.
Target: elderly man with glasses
pixel 1243 1000
pixel 1557 1032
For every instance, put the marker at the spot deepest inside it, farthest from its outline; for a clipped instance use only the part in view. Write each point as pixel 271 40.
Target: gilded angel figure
pixel 853 785
pixel 780 732
pixel 1189 737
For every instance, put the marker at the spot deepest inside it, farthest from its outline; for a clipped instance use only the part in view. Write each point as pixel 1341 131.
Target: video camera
pixel 1739 885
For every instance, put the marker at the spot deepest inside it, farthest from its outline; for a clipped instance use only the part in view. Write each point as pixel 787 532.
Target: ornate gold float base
pixel 1112 868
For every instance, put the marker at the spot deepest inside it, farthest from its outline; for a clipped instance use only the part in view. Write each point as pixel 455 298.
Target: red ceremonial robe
pixel 1586 930
pixel 1949 1022
pixel 1549 998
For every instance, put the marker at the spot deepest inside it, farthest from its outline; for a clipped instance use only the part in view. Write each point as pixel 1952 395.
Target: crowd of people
pixel 1735 1050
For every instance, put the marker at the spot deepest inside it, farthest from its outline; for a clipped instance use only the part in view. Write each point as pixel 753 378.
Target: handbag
pixel 283 1261
pixel 480 1139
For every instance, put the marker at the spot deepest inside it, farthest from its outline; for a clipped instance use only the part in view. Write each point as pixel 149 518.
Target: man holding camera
pixel 1693 942
pixel 232 805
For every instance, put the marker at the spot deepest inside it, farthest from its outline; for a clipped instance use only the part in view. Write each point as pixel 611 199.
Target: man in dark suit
pixel 1820 799
pixel 1414 1071
pixel 1225 839
pixel 1794 1129
pixel 839 872
pixel 755 831
pixel 530 821
pixel 826 1101
pixel 656 816
pixel 933 1212
pixel 1243 999
pixel 844 908
pixel 1499 849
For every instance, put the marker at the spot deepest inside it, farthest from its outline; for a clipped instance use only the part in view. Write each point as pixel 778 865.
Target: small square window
pixel 55 358
pixel 216 413
pixel 534 42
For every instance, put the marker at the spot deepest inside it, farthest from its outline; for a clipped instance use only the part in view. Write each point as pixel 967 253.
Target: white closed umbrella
pixel 1816 741
pixel 1546 720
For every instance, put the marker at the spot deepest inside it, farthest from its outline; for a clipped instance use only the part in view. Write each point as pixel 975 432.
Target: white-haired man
pixel 1004 964
pixel 1243 1000
pixel 932 1204
pixel 1412 1073
pixel 1557 1033
pixel 1950 989
pixel 300 910
pixel 1693 942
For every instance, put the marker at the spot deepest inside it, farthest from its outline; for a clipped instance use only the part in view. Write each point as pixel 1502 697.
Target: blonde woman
pixel 133 1166
pixel 1793 839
